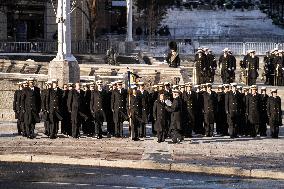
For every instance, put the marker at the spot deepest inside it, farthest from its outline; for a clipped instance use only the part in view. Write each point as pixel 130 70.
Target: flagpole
pixel 130 119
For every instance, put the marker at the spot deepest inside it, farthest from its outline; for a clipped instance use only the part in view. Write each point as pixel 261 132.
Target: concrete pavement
pixel 260 157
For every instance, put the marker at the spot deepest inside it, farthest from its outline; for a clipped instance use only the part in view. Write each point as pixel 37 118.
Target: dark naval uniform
pixel 227 68
pixel 30 101
pixel 233 107
pixel 200 65
pixel 66 127
pixel 209 110
pixel 221 113
pixel 54 107
pixel 145 112
pixel 118 105
pixel 17 110
pixel 190 103
pixel 176 127
pixel 253 112
pixel 134 110
pixel 75 107
pixel 159 115
pixel 98 107
pixel 253 66
pixel 45 114
pixel 263 113
pixel 173 60
pixel 211 67
pixel 87 124
pixel 274 114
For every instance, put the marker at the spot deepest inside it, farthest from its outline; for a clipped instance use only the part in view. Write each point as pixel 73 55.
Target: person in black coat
pixel 66 127
pixel 190 103
pixel 17 107
pixel 134 112
pixel 253 111
pixel 75 104
pixel 159 115
pixel 87 127
pixel 54 108
pixel 232 108
pixel 175 109
pixel 98 106
pixel 253 67
pixel 221 118
pixel 226 64
pixel 44 101
pixel 30 101
pixel 263 112
pixel 274 113
pixel 145 108
pixel 200 63
pixel 173 57
pixel 109 112
pixel 209 110
pixel 118 106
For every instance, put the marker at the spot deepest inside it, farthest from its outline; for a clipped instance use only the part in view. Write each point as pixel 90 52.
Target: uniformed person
pixel 66 127
pixel 17 107
pixel 87 123
pixel 118 106
pixel 190 102
pixel 54 108
pixel 211 64
pixel 175 110
pixel 225 66
pixel 159 116
pixel 154 95
pixel 134 111
pixel 263 112
pixel 269 69
pixel 44 101
pixel 200 66
pixel 278 61
pixel 98 107
pixel 221 118
pixel 109 112
pixel 253 111
pixel 168 96
pixel 274 113
pixel 233 107
pixel 252 67
pixel 226 125
pixel 75 104
pixel 198 128
pixel 173 57
pixel 145 108
pixel 30 101
pixel 209 110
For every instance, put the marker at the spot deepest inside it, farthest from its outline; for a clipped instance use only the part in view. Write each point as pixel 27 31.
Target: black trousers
pixel 142 130
pixel 161 136
pixel 118 129
pixel 274 131
pixel 176 135
pixel 262 128
pixel 98 128
pixel 76 123
pixel 254 128
pixel 19 126
pixel 53 129
pixel 29 128
pixel 209 129
pixel 135 127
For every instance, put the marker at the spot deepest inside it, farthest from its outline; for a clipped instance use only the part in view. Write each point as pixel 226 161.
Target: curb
pixel 145 164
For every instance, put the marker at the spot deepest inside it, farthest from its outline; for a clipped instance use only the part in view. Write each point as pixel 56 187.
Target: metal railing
pixel 156 47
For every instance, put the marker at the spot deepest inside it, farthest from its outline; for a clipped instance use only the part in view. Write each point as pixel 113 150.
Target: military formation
pixel 173 111
pixel 273 69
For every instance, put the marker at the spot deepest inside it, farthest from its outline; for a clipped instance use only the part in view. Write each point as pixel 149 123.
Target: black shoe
pixel 135 139
pixel 99 137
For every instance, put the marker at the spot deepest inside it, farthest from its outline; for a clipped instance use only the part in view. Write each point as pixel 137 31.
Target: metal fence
pixel 158 47
pixel 240 48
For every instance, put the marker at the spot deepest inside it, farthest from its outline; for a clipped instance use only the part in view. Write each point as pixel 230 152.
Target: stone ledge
pixel 144 164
